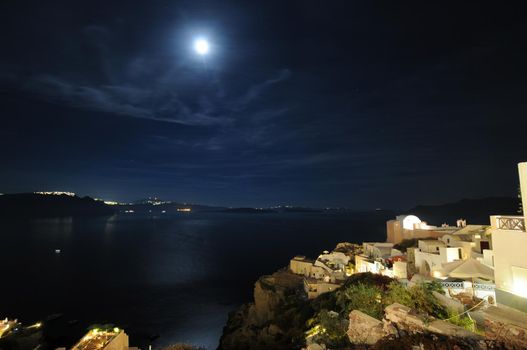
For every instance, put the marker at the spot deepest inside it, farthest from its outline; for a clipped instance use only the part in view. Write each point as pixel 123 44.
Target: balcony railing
pixel 455 285
pixel 516 223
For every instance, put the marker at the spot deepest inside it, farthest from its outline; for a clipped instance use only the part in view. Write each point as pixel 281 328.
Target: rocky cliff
pixel 267 323
pixel 369 311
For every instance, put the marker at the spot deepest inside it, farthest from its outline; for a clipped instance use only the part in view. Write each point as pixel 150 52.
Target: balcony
pixel 513 223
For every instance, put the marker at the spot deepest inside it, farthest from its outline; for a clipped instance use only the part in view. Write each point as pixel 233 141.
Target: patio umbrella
pixel 469 269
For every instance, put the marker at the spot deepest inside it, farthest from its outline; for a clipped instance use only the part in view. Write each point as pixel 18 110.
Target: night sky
pixel 361 104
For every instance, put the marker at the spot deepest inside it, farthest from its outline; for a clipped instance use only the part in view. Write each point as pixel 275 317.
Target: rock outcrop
pixel 264 323
pixel 403 328
pixel 281 317
pixel 407 320
pixel 364 329
pixel 507 326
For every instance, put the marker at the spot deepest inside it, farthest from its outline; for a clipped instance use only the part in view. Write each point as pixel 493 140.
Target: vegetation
pixel 362 297
pixel 326 318
pixel 462 321
pixel 419 297
pixel 330 328
pixel 371 294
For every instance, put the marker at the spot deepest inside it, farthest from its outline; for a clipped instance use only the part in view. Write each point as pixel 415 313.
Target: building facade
pixel 411 227
pixel 509 242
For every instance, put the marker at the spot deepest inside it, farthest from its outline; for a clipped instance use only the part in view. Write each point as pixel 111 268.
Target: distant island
pixel 63 204
pixel 249 210
pixel 51 204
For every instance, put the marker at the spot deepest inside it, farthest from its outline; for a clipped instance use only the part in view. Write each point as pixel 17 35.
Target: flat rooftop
pixel 303 258
pixel 96 339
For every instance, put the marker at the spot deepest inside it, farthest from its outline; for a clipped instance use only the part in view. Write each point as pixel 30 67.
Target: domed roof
pixel 409 221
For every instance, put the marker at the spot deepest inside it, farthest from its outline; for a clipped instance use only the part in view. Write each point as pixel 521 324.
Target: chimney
pixel 522 170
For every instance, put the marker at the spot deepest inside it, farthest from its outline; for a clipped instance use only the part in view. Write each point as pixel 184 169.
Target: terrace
pixel 513 223
pixel 96 339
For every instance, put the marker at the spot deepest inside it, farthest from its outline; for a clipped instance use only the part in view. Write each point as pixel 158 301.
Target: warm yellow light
pixel 116 330
pixel 519 287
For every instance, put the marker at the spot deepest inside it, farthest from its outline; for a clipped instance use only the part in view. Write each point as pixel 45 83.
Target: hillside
pixel 475 211
pixel 40 205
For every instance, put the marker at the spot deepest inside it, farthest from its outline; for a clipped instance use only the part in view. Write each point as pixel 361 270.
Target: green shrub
pixel 362 297
pixel 398 293
pixel 418 296
pixel 461 320
pixel 330 328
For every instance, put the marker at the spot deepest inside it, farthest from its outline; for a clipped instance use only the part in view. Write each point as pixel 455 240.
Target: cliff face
pixel 368 311
pixel 268 323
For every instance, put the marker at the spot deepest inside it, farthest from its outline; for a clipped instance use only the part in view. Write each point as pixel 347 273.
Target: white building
pixel 99 339
pixel 406 227
pixel 334 264
pixel 473 240
pixel 315 287
pixel 322 275
pixel 509 242
pixel 431 254
pixel 378 258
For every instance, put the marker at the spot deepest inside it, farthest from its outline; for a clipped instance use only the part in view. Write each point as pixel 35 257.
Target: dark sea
pixel 176 276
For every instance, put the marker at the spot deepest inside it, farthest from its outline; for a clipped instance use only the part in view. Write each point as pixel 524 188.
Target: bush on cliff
pixel 362 297
pixel 336 301
pixel 462 321
pixel 419 297
pixel 370 294
pixel 329 328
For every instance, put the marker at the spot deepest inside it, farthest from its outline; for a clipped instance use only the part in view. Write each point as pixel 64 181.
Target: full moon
pixel 201 46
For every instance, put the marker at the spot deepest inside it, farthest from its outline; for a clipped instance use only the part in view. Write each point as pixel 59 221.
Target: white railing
pixel 484 286
pixel 456 285
pixel 516 223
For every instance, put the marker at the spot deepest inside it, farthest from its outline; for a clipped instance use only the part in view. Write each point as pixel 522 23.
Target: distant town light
pixel 56 193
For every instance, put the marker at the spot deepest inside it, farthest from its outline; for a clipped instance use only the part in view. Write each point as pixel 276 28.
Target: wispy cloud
pixel 122 100
pixel 257 90
pixel 155 102
pixel 146 85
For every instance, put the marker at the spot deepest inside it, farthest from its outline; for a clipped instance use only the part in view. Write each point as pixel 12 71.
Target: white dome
pixel 409 222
